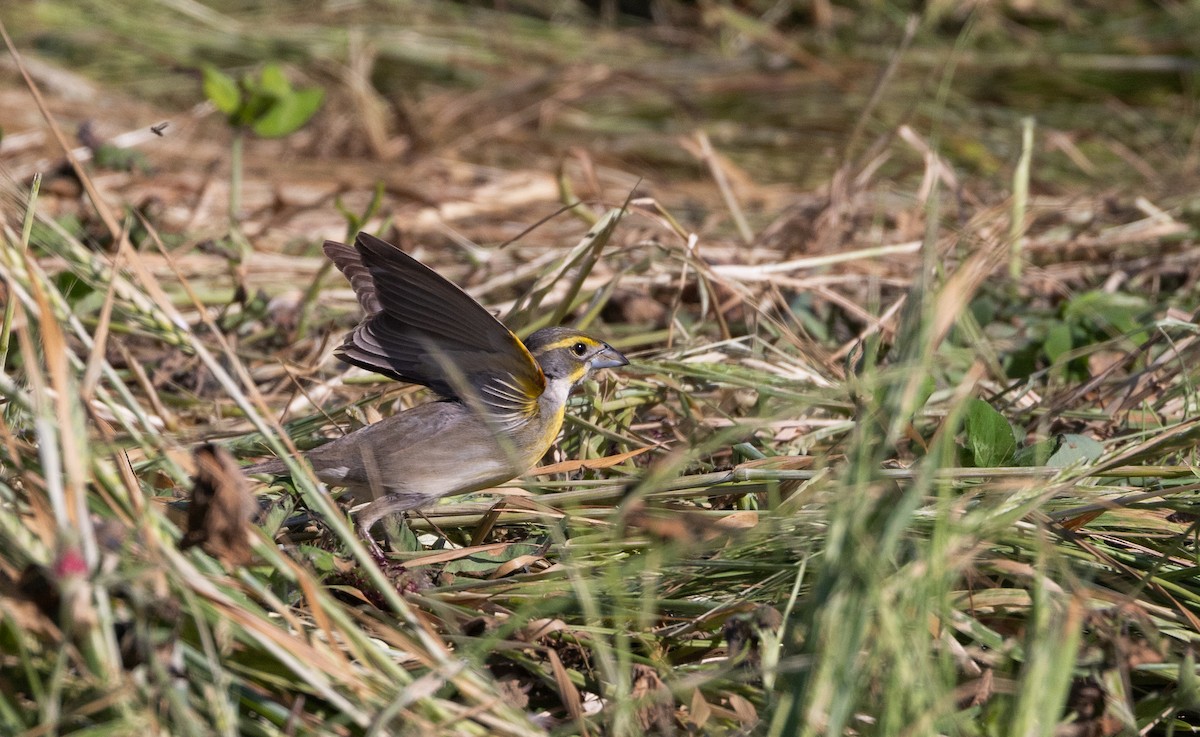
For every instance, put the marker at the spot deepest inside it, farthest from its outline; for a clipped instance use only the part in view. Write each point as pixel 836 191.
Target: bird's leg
pixel 364 533
pixel 391 503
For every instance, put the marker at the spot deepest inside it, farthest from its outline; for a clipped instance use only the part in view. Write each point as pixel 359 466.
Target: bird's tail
pixel 274 467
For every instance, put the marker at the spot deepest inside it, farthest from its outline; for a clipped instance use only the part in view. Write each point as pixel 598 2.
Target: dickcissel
pixel 502 400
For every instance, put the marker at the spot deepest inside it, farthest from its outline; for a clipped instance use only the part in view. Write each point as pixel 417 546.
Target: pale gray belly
pixel 435 449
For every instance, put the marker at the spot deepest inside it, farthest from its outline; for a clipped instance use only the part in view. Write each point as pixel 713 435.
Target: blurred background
pixel 908 442
pixel 794 102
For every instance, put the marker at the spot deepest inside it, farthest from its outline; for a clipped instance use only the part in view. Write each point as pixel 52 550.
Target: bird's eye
pixel 579 349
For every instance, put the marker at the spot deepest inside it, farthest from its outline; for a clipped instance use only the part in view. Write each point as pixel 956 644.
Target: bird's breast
pixel 443 448
pixel 537 435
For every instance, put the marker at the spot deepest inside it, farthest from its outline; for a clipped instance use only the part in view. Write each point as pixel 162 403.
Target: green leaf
pixel 925 391
pixel 1058 341
pixel 289 113
pixel 74 289
pixel 109 156
pixel 989 436
pixel 273 82
pixel 1074 449
pixel 1036 454
pixel 256 105
pixel 486 563
pixel 1188 688
pixel 1109 313
pixel 322 561
pixel 221 90
pixel 400 534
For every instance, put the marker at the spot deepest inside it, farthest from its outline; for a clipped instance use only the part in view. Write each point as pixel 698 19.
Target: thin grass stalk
pixel 10 305
pixel 21 276
pixel 709 156
pixel 223 712
pixel 590 249
pixel 63 449
pixel 1020 204
pixel 354 224
pixel 585 254
pixel 1053 636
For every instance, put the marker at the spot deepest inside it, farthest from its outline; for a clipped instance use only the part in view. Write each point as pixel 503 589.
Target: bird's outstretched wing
pixel 422 329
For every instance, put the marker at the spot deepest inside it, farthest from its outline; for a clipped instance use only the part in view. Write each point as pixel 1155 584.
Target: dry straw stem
pixel 979 595
pixel 1020 199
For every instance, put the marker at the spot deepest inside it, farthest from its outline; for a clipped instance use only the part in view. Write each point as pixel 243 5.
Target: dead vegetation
pixel 908 443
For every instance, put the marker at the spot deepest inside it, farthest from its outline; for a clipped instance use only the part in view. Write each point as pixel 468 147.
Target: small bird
pixel 502 401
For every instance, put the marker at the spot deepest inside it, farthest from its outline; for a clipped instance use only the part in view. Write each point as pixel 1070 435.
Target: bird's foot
pixel 373 547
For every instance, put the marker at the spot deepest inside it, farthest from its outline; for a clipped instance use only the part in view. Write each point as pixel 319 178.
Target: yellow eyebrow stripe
pixel 567 342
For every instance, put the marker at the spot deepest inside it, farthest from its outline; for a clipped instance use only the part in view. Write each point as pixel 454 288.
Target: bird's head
pixel 568 354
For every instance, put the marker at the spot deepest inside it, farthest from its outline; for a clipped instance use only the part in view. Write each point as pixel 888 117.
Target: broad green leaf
pixel 321 560
pixel 1115 312
pixel 221 90
pixel 258 104
pixel 273 81
pixel 401 535
pixel 1035 455
pixel 1058 341
pixel 289 113
pixel 1073 449
pixel 989 436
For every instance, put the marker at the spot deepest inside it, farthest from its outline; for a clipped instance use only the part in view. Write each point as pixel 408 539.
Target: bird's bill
pixel 609 358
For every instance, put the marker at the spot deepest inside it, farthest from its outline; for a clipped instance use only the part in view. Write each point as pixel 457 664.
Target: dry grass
pixel 776 521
